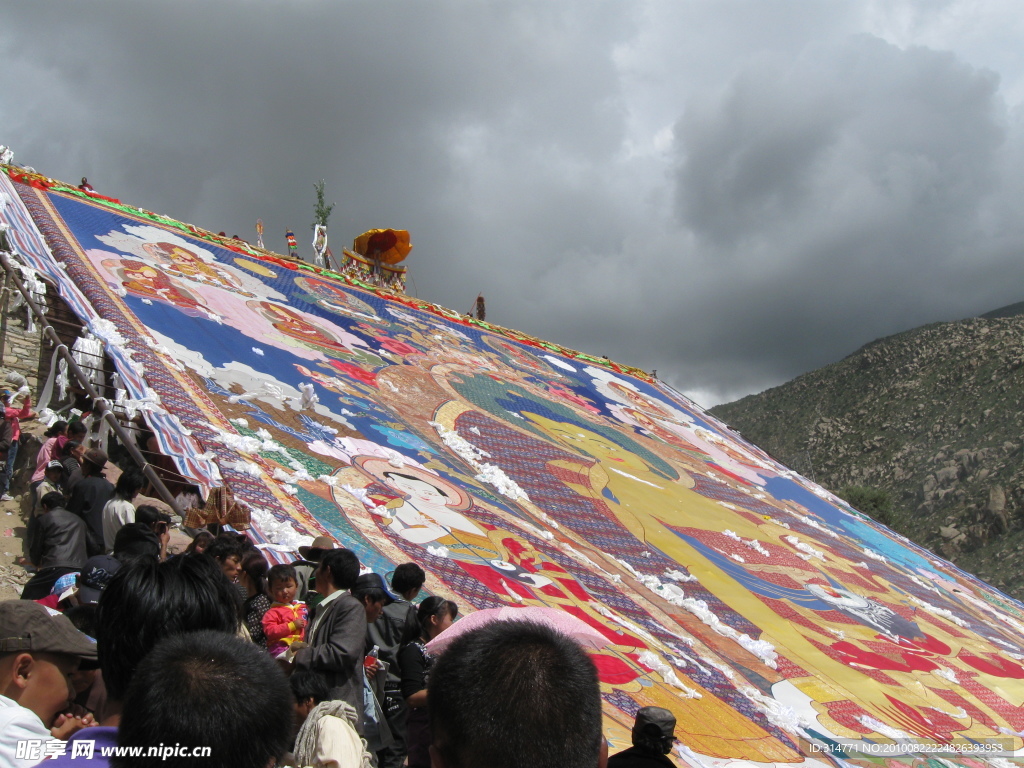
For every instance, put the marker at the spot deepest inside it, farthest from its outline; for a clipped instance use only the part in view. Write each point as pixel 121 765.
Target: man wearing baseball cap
pixel 39 651
pixel 52 482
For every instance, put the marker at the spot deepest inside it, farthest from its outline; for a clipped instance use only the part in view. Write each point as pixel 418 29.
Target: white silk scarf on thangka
pixel 777 624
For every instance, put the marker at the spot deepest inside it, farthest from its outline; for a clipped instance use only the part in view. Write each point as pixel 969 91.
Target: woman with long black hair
pixel 435 615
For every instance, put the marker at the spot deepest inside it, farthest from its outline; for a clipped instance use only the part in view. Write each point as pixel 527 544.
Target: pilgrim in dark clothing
pixel 653 736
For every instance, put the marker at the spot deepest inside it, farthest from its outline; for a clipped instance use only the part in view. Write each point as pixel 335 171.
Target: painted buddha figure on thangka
pixel 678 428
pixel 329 296
pixel 147 282
pixel 643 504
pixel 298 327
pixel 429 508
pixel 422 512
pixel 182 261
pixel 515 356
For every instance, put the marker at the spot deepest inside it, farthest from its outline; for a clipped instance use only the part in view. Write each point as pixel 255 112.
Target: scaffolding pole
pixel 100 403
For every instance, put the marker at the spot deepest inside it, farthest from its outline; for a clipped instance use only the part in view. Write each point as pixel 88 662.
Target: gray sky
pixel 729 192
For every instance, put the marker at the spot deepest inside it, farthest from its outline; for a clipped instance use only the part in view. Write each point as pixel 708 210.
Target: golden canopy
pixel 389 246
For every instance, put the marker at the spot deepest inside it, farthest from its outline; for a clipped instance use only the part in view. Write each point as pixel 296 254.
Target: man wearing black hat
pixel 653 736
pixel 90 495
pixel 39 650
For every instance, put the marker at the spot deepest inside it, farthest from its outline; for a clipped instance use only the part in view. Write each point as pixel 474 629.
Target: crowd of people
pixel 213 656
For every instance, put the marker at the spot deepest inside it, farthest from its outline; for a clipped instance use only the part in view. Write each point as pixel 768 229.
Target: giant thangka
pixel 778 624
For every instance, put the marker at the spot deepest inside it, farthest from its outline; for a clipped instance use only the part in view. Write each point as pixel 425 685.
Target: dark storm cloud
pixel 846 193
pixel 731 193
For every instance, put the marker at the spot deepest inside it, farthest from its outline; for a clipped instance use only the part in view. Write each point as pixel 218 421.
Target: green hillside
pixel 933 417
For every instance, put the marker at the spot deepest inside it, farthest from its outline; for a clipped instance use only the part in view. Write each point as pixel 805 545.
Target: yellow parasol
pixel 389 246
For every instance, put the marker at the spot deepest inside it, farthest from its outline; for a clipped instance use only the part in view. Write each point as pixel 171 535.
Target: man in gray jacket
pixel 336 633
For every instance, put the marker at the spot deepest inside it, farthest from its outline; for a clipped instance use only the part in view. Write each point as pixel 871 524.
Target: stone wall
pixel 28 352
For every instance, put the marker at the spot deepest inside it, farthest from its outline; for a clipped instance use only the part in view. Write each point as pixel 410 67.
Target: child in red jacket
pixel 285 622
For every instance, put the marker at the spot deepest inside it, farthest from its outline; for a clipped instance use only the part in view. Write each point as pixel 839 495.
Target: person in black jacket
pixel 58 546
pixel 397 626
pixel 653 736
pixel 90 495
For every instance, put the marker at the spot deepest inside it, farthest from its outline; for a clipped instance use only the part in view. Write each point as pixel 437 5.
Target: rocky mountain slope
pixel 934 417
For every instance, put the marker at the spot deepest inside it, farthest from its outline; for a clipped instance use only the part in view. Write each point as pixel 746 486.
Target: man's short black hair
pixel 77 428
pixel 83 616
pixel 148 514
pixel 224 547
pixel 136 540
pixel 307 684
pixel 407 576
pixel 52 500
pixel 515 694
pixel 343 566
pixel 128 484
pixel 147 601
pixel 207 689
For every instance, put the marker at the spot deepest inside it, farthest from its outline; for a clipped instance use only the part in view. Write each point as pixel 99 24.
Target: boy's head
pixel 515 693
pixel 40 650
pixel 147 601
pixel 54 471
pixel 283 583
pixel 408 580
